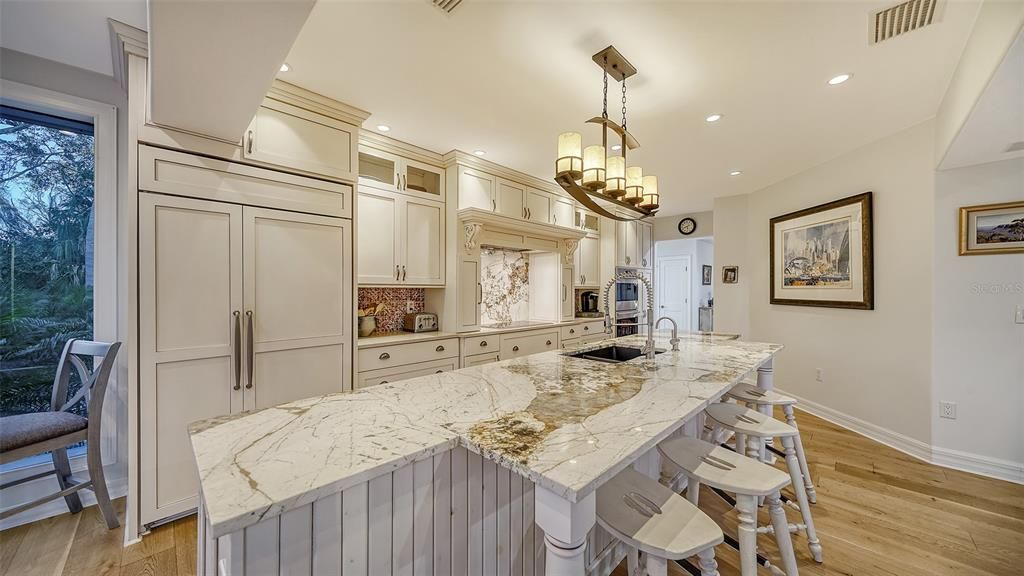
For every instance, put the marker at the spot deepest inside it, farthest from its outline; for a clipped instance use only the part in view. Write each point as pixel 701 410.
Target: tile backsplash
pixel 505 278
pixel 394 299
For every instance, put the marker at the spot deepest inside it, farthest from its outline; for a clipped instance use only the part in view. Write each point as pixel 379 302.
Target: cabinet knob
pixel 549 342
pixel 439 349
pixel 586 328
pixel 483 343
pixel 384 356
pixel 515 348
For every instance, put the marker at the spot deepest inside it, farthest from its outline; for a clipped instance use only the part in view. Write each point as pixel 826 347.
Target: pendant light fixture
pixel 606 184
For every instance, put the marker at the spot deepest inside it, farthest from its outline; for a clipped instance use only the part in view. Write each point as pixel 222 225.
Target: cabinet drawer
pixel 591 328
pixel 481 344
pixel 402 354
pixel 570 332
pixel 478 359
pixel 386 375
pixel 526 343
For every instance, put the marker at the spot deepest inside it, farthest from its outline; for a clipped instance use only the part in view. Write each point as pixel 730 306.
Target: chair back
pixel 94 381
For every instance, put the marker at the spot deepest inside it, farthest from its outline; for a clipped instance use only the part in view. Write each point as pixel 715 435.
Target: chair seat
pixel 750 393
pixel 745 421
pixel 722 468
pixel 680 530
pixel 27 429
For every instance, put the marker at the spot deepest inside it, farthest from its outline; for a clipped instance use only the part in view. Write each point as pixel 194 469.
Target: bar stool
pixel 656 522
pixel 705 463
pixel 756 427
pixel 753 397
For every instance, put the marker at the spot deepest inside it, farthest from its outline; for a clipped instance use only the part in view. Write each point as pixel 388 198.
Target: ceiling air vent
pixel 447 5
pixel 902 18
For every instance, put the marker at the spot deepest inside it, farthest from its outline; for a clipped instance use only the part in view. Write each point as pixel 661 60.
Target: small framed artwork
pixel 705 275
pixel 992 229
pixel 823 255
pixel 730 274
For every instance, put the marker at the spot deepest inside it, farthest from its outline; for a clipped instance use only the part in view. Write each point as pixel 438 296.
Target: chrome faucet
pixel 674 341
pixel 610 324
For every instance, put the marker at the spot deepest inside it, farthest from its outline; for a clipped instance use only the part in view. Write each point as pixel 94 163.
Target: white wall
pixel 978 353
pixel 667 227
pixel 876 364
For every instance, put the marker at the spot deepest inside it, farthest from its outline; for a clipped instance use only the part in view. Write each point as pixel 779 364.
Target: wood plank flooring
pixel 879 513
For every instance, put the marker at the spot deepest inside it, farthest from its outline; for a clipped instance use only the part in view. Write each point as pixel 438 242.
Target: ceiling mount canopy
pixel 603 183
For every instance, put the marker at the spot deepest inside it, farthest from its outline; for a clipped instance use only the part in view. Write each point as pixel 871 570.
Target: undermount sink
pixel 612 354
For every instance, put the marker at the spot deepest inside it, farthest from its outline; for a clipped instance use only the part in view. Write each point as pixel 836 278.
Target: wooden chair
pixel 54 431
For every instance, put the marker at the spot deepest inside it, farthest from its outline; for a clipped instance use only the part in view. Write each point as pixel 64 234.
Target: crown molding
pixel 384 143
pixel 125 40
pixel 308 100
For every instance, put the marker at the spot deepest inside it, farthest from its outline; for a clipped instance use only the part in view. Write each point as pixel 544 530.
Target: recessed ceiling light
pixel 735 173
pixel 617 147
pixel 383 128
pixel 479 152
pixel 839 79
pixel 713 118
pixel 285 67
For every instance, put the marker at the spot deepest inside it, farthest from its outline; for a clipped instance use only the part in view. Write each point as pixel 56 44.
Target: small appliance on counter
pixel 588 303
pixel 419 322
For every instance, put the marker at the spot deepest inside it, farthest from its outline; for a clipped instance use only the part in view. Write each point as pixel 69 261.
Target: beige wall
pixel 667 227
pixel 876 364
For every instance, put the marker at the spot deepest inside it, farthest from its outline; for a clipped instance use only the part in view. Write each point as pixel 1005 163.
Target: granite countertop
pixel 566 423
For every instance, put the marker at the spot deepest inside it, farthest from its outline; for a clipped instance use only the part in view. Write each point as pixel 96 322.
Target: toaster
pixel 420 322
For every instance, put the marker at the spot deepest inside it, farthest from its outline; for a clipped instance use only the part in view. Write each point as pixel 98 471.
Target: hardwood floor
pixel 879 513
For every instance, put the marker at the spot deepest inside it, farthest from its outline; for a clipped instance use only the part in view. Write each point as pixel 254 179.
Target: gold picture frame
pixel 1007 223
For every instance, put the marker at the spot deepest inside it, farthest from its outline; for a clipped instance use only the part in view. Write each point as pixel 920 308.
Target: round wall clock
pixel 687 226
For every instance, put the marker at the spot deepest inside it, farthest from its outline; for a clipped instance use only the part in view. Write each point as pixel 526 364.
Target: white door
pixel 379 169
pixel 568 310
pixel 190 303
pixel 672 284
pixel 646 245
pixel 298 299
pixel 588 268
pixel 379 257
pixel 470 294
pixel 422 242
pixel 476 189
pixel 510 198
pixel 538 206
pixel 562 212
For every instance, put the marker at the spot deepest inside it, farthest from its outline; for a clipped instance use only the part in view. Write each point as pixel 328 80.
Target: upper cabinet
pixel 386 171
pixel 634 243
pixel 588 262
pixel 476 189
pixel 290 137
pixel 538 206
pixel 401 239
pixel 510 199
pixel 646 244
pixel 588 222
pixel 562 211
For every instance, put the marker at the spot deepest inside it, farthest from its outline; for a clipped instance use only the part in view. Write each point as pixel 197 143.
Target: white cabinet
pixel 634 244
pixel 510 199
pixel 470 294
pixel 562 212
pixel 588 262
pixel 525 343
pixel 398 373
pixel 567 305
pixel 645 245
pixel 480 359
pixel 476 189
pixel 288 136
pixel 229 321
pixel 385 171
pixel 401 239
pixel 538 206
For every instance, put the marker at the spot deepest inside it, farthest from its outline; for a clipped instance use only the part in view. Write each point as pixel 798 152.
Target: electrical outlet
pixel 947 410
pixel 1019 316
pixel 410 306
pixel 818 375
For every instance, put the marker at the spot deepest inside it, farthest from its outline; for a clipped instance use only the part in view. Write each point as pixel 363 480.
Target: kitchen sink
pixel 612 354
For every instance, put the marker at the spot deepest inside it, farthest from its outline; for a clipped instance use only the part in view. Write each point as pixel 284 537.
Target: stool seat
pixel 722 468
pixel 749 422
pixel 653 519
pixel 745 392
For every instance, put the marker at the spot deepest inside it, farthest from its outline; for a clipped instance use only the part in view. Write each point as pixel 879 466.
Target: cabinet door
pixel 476 189
pixel 622 244
pixel 562 212
pixel 287 136
pixel 510 199
pixel 298 304
pixel 538 206
pixel 568 310
pixel 422 242
pixel 646 245
pixel 469 294
pixel 379 169
pixel 422 180
pixel 190 302
pixel 379 246
pixel 589 261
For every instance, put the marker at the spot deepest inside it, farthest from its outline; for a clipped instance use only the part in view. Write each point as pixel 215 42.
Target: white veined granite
pixel 566 423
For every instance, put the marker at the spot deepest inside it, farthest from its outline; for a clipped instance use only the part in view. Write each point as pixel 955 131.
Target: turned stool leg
pixel 801 497
pixel 812 495
pixel 747 533
pixel 707 563
pixel 781 528
pixel 656 566
pixel 693 490
pixel 633 562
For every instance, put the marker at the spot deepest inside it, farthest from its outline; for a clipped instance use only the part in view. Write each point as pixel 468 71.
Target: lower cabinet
pixel 525 343
pixel 383 364
pixel 478 359
pixel 386 375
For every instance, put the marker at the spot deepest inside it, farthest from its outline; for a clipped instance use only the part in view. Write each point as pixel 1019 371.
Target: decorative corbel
pixel 471 230
pixel 571 244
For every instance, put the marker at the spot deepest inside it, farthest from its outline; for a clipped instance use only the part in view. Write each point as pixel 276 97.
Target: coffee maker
pixel 588 302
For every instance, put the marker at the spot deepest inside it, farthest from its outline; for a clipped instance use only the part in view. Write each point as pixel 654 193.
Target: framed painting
pixel 824 255
pixel 730 274
pixel 992 229
pixel 705 279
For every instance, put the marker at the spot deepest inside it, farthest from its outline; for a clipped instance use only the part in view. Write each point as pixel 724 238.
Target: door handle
pixel 248 143
pixel 397 273
pixel 384 356
pixel 439 349
pixel 238 350
pixel 403 273
pixel 479 292
pixel 565 293
pixel 405 181
pixel 494 205
pixel 249 340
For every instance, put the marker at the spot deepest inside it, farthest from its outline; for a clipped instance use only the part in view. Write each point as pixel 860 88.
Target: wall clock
pixel 687 226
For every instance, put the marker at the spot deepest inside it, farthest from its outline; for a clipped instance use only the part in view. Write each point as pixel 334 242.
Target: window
pixel 47 217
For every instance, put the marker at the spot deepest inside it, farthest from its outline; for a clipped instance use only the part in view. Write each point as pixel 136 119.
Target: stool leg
pixel 656 566
pixel 812 495
pixel 633 562
pixel 741 443
pixel 801 497
pixel 781 526
pixel 692 490
pixel 747 533
pixel 706 562
pixel 63 466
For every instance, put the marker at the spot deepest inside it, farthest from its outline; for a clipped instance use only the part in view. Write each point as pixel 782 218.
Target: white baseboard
pixel 963 461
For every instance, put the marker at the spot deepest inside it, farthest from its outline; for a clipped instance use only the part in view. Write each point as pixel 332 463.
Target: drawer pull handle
pixel 383 381
pixel 439 371
pixel 439 349
pixel 586 327
pixel 384 356
pixel 483 343
pixel 572 330
pixel 515 348
pixel 549 342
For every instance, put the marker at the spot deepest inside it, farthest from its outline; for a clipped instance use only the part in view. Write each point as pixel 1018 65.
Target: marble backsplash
pixel 394 299
pixel 505 278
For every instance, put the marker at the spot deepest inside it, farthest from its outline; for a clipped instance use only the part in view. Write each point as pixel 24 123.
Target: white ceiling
pixel 74 32
pixel 997 120
pixel 507 77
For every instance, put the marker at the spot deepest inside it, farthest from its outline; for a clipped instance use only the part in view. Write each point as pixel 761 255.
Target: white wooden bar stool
pixel 654 521
pixel 705 463
pixel 756 427
pixel 755 397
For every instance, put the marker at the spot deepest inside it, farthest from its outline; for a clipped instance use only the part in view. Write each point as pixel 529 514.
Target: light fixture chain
pixel 624 105
pixel 604 109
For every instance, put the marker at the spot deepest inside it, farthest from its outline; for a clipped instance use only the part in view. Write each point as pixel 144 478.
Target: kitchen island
pixel 484 470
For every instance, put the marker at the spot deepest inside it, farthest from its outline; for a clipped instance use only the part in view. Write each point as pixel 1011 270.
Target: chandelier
pixel 589 174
